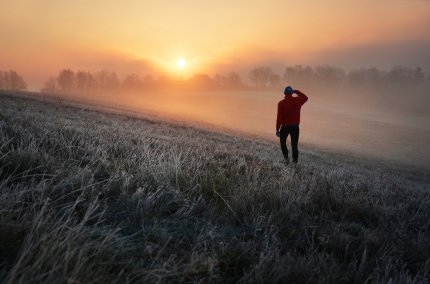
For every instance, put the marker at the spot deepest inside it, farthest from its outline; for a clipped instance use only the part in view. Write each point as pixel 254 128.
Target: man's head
pixel 288 91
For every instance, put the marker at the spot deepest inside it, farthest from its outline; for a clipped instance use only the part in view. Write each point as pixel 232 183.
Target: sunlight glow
pixel 181 63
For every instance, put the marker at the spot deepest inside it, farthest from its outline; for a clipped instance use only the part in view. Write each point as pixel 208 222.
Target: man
pixel 288 120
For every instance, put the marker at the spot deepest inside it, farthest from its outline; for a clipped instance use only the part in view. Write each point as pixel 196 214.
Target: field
pixel 89 196
pixel 340 121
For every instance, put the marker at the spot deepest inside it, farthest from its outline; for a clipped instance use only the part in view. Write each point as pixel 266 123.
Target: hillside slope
pixel 88 196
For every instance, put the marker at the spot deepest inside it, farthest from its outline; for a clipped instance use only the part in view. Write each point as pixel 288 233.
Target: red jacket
pixel 289 109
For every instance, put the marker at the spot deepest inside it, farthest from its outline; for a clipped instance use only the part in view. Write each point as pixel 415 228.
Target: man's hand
pixel 278 134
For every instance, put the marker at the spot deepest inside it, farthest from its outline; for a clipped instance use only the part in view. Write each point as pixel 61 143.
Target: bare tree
pixel 66 80
pixel 365 77
pixel 3 79
pixel 234 80
pixel 401 75
pixel 132 81
pixel 85 81
pixel 50 86
pixel 329 76
pixel 12 81
pixel 261 76
pixel 298 74
pixel 201 81
pixel 219 80
pixel 107 80
pixel 419 76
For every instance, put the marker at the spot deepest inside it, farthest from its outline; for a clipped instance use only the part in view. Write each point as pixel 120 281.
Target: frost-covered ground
pixel 91 196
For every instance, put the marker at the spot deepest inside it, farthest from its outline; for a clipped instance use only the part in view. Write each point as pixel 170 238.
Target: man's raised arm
pixel 301 95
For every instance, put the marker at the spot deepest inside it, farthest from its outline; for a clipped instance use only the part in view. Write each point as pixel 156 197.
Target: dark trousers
pixel 292 130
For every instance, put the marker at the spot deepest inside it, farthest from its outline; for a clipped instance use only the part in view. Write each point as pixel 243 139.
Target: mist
pixel 366 112
pixel 393 127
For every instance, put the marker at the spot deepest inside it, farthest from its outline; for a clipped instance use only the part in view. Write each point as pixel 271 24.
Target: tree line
pixel 326 75
pixel 262 77
pixel 68 80
pixel 329 75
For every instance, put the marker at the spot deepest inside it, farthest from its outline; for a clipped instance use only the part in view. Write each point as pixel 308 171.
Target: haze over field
pixel 391 133
pixel 382 113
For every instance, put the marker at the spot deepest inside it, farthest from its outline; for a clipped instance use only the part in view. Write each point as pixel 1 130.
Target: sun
pixel 181 63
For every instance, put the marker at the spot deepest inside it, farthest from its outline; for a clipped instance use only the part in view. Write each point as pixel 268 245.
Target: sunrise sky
pixel 38 38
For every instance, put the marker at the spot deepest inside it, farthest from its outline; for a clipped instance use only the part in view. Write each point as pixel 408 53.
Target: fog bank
pixel 362 123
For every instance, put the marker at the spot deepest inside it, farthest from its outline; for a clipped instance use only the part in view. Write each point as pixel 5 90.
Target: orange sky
pixel 40 37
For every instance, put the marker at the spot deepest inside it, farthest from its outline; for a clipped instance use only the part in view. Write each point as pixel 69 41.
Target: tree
pixel 329 76
pixel 85 81
pixel 401 75
pixel 107 80
pixel 50 86
pixel 233 80
pixel 261 76
pixel 2 80
pixel 201 81
pixel 12 81
pixel 66 80
pixel 132 81
pixel 365 77
pixel 219 80
pixel 298 75
pixel 357 77
pixel 419 76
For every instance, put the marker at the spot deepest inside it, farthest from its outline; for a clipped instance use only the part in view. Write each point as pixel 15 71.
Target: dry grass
pixel 92 197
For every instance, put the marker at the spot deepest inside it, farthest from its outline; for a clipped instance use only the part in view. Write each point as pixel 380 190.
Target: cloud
pixel 384 55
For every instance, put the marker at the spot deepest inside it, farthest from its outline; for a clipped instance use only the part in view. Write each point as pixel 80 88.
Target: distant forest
pixel 70 81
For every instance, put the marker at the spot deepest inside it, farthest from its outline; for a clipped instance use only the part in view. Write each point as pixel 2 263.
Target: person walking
pixel 288 120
